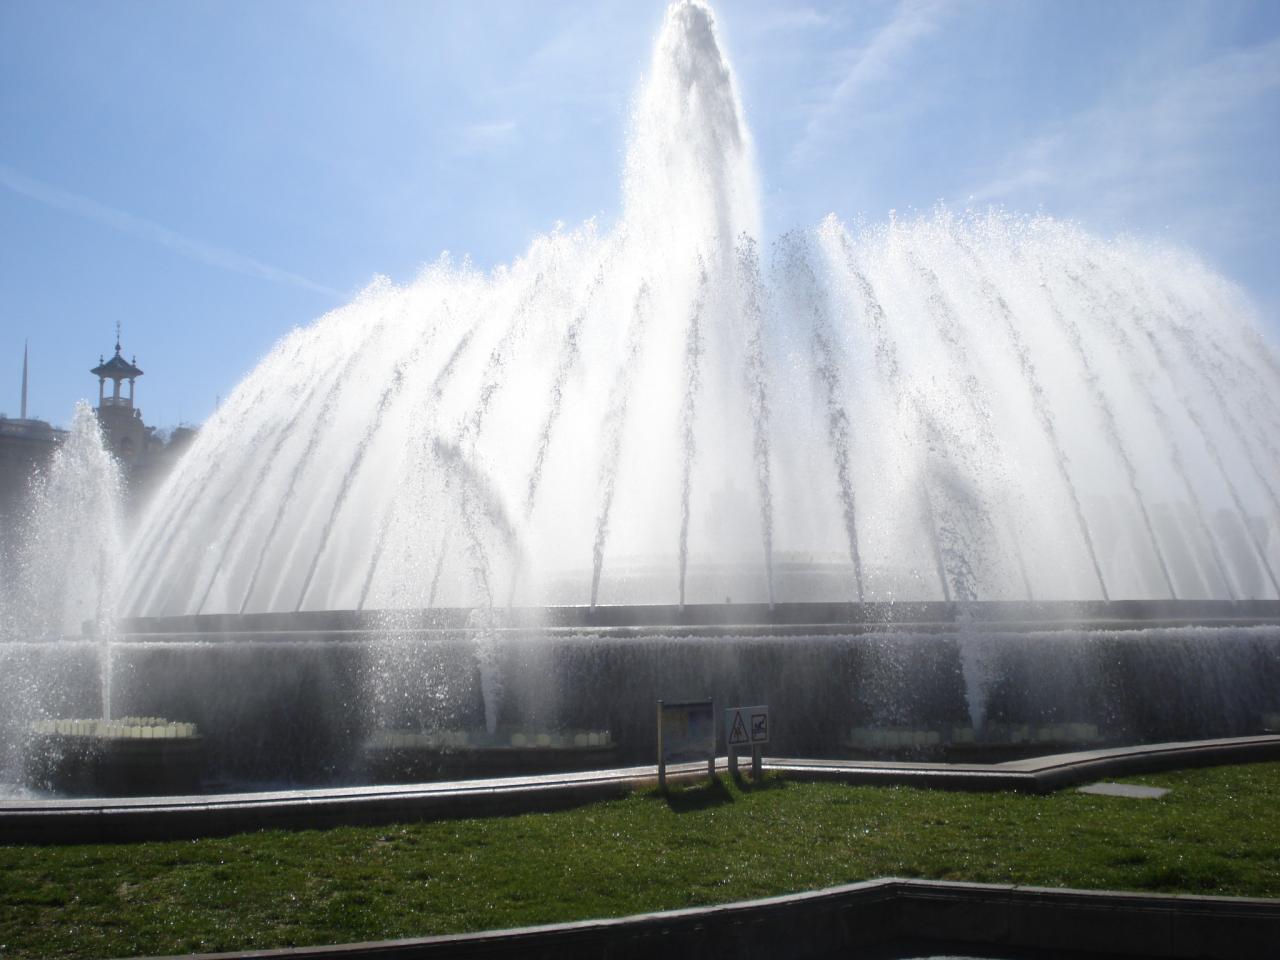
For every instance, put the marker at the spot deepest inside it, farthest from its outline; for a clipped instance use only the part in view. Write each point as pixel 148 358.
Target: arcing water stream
pixel 953 407
pixel 962 408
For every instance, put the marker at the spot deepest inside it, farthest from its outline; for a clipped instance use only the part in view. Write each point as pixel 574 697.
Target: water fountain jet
pixel 519 497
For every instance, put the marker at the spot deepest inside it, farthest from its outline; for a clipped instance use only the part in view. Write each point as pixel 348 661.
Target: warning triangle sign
pixel 738 732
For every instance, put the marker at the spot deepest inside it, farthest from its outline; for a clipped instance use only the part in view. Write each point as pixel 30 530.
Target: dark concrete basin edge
pixel 1015 614
pixel 857 918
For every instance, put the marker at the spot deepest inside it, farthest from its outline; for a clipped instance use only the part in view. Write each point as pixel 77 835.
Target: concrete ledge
pixel 99 820
pixel 864 918
pixel 1038 774
pixel 1068 769
pixel 112 819
pixel 717 617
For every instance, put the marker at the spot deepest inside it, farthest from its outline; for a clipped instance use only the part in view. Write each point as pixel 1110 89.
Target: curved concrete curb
pixel 865 918
pixel 1038 774
pixel 111 819
pixel 154 818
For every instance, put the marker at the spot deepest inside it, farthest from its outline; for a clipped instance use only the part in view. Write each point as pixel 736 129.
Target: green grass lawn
pixel 1218 832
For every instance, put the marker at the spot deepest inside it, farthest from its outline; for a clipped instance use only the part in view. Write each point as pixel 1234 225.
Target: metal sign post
pixel 746 727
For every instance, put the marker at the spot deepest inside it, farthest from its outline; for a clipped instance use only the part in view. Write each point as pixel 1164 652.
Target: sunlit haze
pixel 213 175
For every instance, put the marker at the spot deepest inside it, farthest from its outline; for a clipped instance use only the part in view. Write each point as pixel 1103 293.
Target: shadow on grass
pixel 771 781
pixel 684 799
pixel 713 793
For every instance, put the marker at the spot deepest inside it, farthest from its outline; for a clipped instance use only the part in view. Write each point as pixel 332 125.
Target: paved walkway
pixel 80 820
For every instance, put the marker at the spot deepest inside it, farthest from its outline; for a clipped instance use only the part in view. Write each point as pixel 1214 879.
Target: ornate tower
pixel 121 421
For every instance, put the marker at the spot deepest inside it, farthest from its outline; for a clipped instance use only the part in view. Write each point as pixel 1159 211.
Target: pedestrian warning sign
pixel 746 726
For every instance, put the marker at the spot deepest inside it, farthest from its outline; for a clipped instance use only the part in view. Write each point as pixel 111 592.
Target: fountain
pixel 957 480
pixel 67 578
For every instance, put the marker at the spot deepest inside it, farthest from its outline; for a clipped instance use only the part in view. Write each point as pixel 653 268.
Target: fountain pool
pixel 959 483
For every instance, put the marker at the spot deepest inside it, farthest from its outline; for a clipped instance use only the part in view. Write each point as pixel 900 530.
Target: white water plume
pixel 671 410
pixel 71 556
pixel 65 577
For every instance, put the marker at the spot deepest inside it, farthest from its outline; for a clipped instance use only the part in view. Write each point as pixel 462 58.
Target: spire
pixel 117 338
pixel 24 380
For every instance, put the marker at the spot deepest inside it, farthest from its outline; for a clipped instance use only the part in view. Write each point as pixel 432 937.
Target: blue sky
pixel 213 174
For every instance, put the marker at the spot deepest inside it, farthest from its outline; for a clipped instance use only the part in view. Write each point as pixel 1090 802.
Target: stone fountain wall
pixel 277 706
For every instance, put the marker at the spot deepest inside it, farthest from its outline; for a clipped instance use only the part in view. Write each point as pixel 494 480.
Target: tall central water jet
pixel 978 407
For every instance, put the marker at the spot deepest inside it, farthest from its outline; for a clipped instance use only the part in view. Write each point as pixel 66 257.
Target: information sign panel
pixel 686 733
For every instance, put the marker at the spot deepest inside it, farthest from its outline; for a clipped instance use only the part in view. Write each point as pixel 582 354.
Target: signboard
pixel 686 733
pixel 746 726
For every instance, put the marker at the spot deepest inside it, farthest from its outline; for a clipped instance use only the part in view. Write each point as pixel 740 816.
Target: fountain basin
pixel 132 756
pixel 299 699
pixel 403 756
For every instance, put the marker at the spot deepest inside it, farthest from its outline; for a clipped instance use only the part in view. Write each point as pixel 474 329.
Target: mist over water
pixel 674 410
pixel 67 572
pixel 64 579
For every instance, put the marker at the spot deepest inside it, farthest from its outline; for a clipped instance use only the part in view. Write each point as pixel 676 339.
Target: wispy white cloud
pixel 868 69
pixel 782 17
pixel 1155 134
pixel 576 42
pixel 484 137
pixel 143 229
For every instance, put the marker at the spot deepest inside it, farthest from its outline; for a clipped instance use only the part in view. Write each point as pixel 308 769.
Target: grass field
pixel 1218 832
